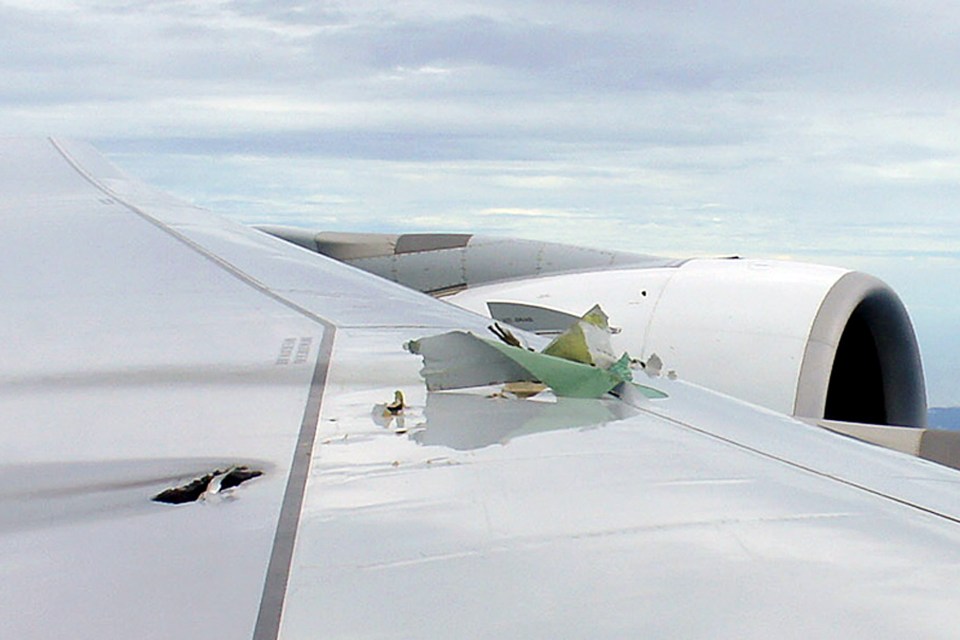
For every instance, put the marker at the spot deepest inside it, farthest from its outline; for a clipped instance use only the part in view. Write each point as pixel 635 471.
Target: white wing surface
pixel 149 345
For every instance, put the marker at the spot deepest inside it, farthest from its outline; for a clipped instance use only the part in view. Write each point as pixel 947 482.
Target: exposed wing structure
pixel 150 345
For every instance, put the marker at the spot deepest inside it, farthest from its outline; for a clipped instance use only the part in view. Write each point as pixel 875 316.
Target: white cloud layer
pixel 822 130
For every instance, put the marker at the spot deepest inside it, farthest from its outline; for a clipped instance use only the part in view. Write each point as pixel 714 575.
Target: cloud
pixel 823 130
pixel 539 214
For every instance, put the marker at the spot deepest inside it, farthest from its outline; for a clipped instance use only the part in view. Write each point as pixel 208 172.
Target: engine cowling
pixel 806 340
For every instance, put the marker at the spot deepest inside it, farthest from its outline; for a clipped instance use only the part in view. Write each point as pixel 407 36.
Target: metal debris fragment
pixel 587 340
pixel 524 389
pixel 506 336
pixel 397 415
pixel 397 405
pixel 653 366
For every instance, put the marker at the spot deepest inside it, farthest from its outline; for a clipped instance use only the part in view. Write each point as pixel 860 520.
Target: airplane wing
pixel 196 442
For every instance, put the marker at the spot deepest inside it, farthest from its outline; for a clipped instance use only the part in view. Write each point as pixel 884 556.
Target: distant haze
pixel 944 418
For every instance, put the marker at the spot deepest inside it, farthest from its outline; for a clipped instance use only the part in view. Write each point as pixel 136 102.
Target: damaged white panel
pixel 458 359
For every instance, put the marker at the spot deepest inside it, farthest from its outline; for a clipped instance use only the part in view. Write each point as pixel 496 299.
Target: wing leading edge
pixel 151 342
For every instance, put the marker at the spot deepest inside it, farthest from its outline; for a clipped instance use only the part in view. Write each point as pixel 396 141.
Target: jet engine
pixel 815 342
pixel 805 340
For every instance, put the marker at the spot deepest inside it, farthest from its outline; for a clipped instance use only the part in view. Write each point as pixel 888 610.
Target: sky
pixel 819 131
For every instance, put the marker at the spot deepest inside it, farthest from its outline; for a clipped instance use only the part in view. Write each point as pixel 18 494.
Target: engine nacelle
pixel 806 340
pixel 811 341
